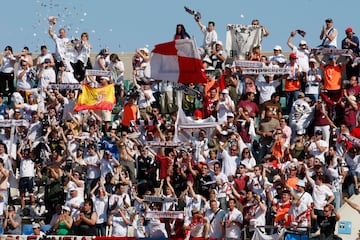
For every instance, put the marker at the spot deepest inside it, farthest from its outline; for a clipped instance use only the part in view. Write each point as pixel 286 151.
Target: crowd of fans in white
pixel 290 165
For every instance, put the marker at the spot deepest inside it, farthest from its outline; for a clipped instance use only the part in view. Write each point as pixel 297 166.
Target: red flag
pixel 177 61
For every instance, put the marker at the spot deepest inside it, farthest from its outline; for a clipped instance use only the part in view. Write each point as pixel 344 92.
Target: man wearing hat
pixel 277 55
pixel 313 78
pixel 351 42
pixel 328 34
pixel 217 56
pixel 293 81
pixel 318 146
pixel 37 230
pixel 301 114
pixel 302 52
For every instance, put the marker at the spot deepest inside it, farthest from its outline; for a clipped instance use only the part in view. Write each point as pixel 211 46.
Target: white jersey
pixel 27 168
pixel 233 230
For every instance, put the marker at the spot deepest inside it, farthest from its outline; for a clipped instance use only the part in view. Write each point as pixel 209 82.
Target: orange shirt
pixel 292 83
pixel 332 76
pixel 130 113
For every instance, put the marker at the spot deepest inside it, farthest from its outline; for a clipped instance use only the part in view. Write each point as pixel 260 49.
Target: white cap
pixel 225 91
pixel 220 43
pixel 278 47
pixel 303 42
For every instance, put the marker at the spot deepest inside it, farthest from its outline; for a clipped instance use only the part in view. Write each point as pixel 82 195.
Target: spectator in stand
pixel 233 221
pixel 11 222
pixel 210 37
pixel 4 181
pixel 312 81
pixel 302 53
pixel 265 32
pixel 7 69
pixel 44 54
pixel 86 220
pixel 278 56
pixel 60 45
pixel 64 222
pixel 218 56
pixel 181 33
pixel 293 81
pixel 214 216
pixel 332 76
pixel 249 104
pixel 351 42
pixel 210 103
pixel 273 105
pixel 328 34
pixel 23 79
pixel 265 131
pixel 327 222
pixel 266 85
pixel 351 108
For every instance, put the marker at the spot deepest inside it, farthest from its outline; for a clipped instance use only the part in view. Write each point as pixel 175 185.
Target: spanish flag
pixel 102 98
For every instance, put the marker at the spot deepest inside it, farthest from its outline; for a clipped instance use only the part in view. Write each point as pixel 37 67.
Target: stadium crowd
pixel 267 162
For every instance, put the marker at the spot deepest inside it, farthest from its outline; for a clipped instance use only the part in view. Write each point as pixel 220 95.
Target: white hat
pixel 35 225
pixel 302 42
pixel 225 91
pixel 312 60
pixel 207 59
pixel 219 42
pixel 145 50
pixel 72 189
pixel 66 208
pixel 278 47
pixel 300 183
pixel 230 115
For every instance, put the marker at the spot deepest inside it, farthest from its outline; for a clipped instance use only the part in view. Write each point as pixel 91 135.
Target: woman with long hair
pixel 181 32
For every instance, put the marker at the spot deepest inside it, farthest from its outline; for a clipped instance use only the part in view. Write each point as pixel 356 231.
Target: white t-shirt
pixel 320 194
pixel 27 168
pixel 229 163
pixel 312 86
pixel 232 230
pixel 313 150
pixel 23 83
pixel 101 207
pixel 60 48
pixel 216 229
pixel 209 37
pixel 48 76
pixel 266 89
pixel 92 172
pixel 119 227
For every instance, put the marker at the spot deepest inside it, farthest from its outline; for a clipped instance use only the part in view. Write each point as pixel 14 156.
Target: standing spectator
pixel 12 222
pixel 266 86
pixel 92 164
pixel 249 104
pixel 328 35
pixel 318 146
pixel 332 76
pixel 327 222
pixel 100 201
pixel 26 56
pixel 292 82
pixel 181 33
pixel 256 22
pixel 210 37
pixel 278 55
pixel 302 52
pixel 116 67
pixel 214 216
pixel 273 105
pixel 233 221
pixel 44 54
pixel 64 222
pixel 60 45
pixel 86 220
pixel 75 203
pixel 230 156
pixel 102 60
pixel 351 42
pixel 7 63
pixel 27 174
pixel 265 131
pixel 210 103
pixel 46 74
pixel 217 56
pixel 312 80
pixel 4 181
pixel 119 200
pixel 23 78
pixel 351 108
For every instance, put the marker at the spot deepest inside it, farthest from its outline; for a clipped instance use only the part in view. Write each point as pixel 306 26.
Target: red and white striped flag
pixel 177 61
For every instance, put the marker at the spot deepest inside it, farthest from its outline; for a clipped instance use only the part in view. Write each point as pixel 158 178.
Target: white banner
pixel 164 214
pixel 247 64
pixel 99 73
pixel 332 51
pixel 15 123
pixel 158 199
pixel 259 235
pixel 164 144
pixel 65 86
pixel 266 70
pixel 240 39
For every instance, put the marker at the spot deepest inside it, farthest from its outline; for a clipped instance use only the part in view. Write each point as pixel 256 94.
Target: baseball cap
pixel 312 60
pixel 301 95
pixel 35 225
pixel 300 183
pixel 225 91
pixel 349 29
pixel 302 42
pixel 332 56
pixel 293 56
pixel 219 42
pixel 277 47
pixel 72 189
pixel 276 178
pixel 47 60
pixel 230 115
pixel 66 208
pixel 329 20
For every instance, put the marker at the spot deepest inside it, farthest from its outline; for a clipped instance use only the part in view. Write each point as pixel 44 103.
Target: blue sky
pixel 124 26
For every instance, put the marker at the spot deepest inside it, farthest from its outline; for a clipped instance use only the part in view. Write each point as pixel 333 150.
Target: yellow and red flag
pixel 102 98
